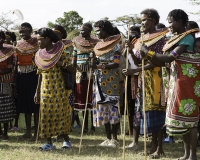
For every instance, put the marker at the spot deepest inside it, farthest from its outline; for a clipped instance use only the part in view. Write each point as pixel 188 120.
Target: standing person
pixel 51 93
pixel 83 46
pixel 154 108
pixel 27 78
pixel 106 84
pixel 7 105
pixel 182 82
pixel 134 110
pixel 11 39
pixel 62 35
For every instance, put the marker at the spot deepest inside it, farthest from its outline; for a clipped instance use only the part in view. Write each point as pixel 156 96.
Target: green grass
pixel 18 148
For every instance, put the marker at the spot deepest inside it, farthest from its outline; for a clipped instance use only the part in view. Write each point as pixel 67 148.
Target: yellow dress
pixel 54 102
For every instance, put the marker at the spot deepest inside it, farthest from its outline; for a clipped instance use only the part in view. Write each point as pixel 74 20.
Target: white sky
pixel 39 12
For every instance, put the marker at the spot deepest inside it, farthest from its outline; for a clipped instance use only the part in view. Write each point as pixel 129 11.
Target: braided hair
pixel 12 35
pixel 179 14
pixel 47 32
pixel 152 13
pixel 2 35
pixel 192 24
pixel 106 26
pixel 61 29
pixel 27 25
pixel 88 26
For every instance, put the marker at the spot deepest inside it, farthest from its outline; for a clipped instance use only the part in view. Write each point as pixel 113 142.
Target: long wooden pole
pixel 125 108
pixel 88 89
pixel 144 114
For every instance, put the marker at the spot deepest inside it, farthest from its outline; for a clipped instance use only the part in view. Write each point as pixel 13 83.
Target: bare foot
pixel 183 158
pixel 157 155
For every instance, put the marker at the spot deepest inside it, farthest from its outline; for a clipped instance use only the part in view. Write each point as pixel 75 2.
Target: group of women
pixel 40 71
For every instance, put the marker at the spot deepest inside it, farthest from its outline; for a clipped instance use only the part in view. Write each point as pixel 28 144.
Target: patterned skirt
pixel 7 108
pixel 81 93
pixel 105 113
pixel 155 121
pixel 26 87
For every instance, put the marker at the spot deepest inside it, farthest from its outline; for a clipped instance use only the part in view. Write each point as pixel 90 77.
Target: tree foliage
pixel 71 20
pixel 123 21
pixel 6 21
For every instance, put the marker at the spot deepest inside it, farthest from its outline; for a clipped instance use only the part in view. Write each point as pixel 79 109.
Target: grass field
pixel 18 148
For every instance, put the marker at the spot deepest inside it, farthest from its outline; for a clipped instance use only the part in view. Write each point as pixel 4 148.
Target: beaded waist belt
pixel 26 69
pixel 83 67
pixel 6 77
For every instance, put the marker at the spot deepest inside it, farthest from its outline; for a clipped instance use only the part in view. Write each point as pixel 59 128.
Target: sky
pixel 39 12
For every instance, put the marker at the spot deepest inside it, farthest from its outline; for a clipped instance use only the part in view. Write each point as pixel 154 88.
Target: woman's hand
pixel 37 97
pixel 143 50
pixel 127 72
pixel 129 45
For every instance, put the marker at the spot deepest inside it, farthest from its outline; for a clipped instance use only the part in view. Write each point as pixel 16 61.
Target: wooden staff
pixel 125 108
pixel 38 127
pixel 143 96
pixel 88 89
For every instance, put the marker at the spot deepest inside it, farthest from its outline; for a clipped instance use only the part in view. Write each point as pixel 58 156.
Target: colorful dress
pixel 81 53
pixel 106 84
pixel 68 50
pixel 182 86
pixel 27 78
pixel 54 103
pixel 155 112
pixel 7 105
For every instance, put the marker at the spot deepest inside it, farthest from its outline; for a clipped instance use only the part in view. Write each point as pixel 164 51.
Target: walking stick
pixel 144 114
pixel 88 89
pixel 36 141
pixel 126 81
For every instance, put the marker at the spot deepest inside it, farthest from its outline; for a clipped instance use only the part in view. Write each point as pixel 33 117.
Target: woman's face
pixel 84 32
pixel 25 34
pixel 147 23
pixel 101 34
pixel 42 42
pixel 173 25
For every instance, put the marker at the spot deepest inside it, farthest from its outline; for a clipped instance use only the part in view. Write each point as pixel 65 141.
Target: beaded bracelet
pixel 150 53
pixel 174 54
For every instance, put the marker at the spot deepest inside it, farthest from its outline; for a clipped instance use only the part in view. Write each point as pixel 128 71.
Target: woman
pixel 83 45
pixel 27 78
pixel 7 105
pixel 134 111
pixel 154 109
pixel 106 84
pixel 181 83
pixel 62 35
pixel 51 92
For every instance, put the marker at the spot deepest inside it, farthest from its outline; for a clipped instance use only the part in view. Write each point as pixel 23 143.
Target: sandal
pixel 47 147
pixel 66 145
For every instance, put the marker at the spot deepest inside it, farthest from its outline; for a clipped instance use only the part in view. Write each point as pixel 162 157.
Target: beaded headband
pixel 57 31
pixel 24 28
pixel 87 27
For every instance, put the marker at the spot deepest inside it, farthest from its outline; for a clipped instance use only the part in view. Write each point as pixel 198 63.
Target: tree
pixel 5 21
pixel 123 21
pixel 195 2
pixel 70 21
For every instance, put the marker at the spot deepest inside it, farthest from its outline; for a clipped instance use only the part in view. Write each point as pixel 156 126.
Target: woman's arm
pixel 163 58
pixel 37 93
pixel 127 72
